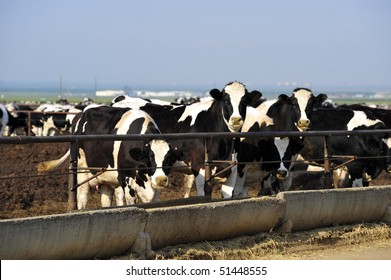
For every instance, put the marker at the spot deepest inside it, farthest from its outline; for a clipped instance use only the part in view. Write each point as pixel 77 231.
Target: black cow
pixel 224 112
pixel 369 149
pixel 141 166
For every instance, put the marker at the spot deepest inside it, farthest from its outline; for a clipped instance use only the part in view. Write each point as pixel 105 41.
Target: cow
pixel 382 114
pixel 302 103
pixel 3 119
pixel 369 149
pixel 266 156
pixel 18 120
pixel 224 111
pixel 55 118
pixel 274 157
pixel 141 166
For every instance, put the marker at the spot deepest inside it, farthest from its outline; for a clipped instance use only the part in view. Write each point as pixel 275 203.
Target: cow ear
pixel 254 96
pixel 283 97
pixel 322 97
pixel 216 94
pixel 137 154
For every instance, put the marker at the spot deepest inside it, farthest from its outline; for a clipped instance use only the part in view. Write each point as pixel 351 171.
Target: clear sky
pixel 197 43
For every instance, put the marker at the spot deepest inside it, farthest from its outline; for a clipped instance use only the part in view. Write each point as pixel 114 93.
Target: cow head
pixel 233 101
pixel 303 102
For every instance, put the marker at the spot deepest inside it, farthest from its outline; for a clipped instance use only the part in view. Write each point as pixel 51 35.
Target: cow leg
pixel 83 190
pixel 239 182
pixel 188 184
pixel 128 198
pixel 200 183
pixel 106 195
pixel 119 196
pixel 227 188
pixel 82 195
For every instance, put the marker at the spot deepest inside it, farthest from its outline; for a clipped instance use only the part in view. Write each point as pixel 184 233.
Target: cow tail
pixel 51 165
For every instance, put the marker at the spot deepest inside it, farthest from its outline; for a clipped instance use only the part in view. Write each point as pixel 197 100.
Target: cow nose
pixel 236 121
pixel 304 124
pixel 162 181
pixel 281 174
pixel 389 169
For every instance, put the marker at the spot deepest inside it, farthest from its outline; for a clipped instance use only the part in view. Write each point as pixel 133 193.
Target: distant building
pixel 103 93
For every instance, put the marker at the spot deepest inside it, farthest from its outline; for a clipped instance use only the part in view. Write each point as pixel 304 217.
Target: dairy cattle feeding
pixel 141 166
pixel 272 158
pixel 368 150
pixel 224 111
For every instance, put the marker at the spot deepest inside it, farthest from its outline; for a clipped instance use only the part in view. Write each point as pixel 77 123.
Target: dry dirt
pixel 24 193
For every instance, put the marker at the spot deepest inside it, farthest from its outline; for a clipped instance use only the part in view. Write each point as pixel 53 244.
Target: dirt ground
pixel 25 193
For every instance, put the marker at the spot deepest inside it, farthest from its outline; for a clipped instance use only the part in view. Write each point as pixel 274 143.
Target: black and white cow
pixel 18 120
pixel 225 111
pixel 274 157
pixel 3 119
pixel 385 116
pixel 54 119
pixel 369 149
pixel 141 166
pixel 302 103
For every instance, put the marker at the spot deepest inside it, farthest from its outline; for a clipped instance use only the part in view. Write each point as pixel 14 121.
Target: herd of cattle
pixel 135 171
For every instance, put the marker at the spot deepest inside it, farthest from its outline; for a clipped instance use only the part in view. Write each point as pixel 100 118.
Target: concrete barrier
pixel 82 235
pixel 111 232
pixel 312 209
pixel 212 221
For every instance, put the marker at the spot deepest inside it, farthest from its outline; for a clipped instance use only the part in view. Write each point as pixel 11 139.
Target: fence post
pixel 208 174
pixel 328 182
pixel 72 180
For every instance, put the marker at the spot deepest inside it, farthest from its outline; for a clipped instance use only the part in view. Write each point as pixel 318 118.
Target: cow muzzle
pixel 389 169
pixel 236 123
pixel 303 124
pixel 281 174
pixel 161 181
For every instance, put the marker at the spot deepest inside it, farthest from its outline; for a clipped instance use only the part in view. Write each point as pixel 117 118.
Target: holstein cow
pixel 3 119
pixel 302 103
pixel 142 166
pixel 275 157
pixel 271 156
pixel 18 120
pixel 55 118
pixel 369 149
pixel 385 116
pixel 225 111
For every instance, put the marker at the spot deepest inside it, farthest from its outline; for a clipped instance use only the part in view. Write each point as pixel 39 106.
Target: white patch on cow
pixel 265 106
pixel 387 141
pixel 160 149
pixel 302 99
pixel 3 120
pixel 282 145
pixel 194 109
pixel 236 91
pixel 255 116
pixel 359 119
pixel 314 168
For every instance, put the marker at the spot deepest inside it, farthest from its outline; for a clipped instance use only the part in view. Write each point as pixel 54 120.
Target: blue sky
pixel 201 43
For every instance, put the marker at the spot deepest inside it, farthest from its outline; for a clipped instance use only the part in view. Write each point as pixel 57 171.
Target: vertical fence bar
pixel 72 180
pixel 28 123
pixel 208 174
pixel 328 182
